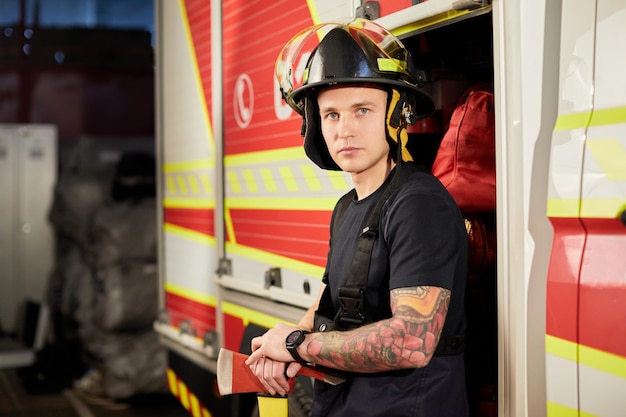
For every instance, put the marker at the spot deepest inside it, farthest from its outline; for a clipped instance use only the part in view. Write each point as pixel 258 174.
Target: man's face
pixel 353 126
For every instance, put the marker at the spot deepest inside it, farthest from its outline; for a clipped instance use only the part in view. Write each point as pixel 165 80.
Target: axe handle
pixel 235 377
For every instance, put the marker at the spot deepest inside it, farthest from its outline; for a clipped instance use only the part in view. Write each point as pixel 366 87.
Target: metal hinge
pixel 369 10
pixel 273 278
pixel 211 339
pixel 224 267
pixel 185 327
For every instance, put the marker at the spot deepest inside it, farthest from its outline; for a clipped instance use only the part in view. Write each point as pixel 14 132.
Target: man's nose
pixel 346 126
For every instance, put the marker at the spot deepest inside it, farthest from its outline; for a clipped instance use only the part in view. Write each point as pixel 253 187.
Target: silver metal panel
pixel 37 177
pixel 8 266
pixel 29 172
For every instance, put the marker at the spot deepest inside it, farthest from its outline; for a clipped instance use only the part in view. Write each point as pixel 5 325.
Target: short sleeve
pixel 423 231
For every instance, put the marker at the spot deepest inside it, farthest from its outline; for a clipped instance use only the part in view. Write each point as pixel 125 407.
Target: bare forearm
pixel 308 319
pixel 406 340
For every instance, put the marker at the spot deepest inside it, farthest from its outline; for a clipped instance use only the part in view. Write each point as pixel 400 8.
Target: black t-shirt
pixel 422 242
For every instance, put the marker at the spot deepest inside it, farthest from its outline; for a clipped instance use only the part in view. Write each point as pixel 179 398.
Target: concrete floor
pixel 15 401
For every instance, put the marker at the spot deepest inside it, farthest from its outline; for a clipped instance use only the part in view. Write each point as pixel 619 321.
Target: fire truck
pixel 244 214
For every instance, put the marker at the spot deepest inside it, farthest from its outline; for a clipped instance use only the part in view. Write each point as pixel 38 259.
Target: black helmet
pixel 358 51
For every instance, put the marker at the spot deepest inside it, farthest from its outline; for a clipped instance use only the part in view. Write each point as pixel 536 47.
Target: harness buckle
pixel 351 302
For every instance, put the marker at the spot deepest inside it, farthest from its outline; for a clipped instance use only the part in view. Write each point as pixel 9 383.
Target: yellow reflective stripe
pixel 232 179
pixel 563 207
pixel 230 229
pixel 195 405
pixel 315 18
pixel 602 361
pixel 611 157
pixel 603 208
pixel 562 348
pixel 288 178
pixel 310 177
pixel 284 203
pixel 186 397
pixel 597 117
pixel 192 203
pixel 390 64
pixel 193 184
pixel 172 381
pixel 587 356
pixel 183 397
pixel 182 185
pixel 244 171
pixel 338 180
pixel 189 234
pixel 599 208
pixel 248 315
pixel 608 116
pixel 171 185
pixel 572 121
pixel 207 187
pixel 305 268
pixel 197 165
pixel 197 78
pixel 268 180
pixel 558 410
pixel 248 177
pixel 198 297
pixel 253 179
pixel 264 157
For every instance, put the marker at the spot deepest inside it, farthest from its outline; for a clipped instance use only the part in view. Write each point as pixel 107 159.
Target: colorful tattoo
pixel 406 340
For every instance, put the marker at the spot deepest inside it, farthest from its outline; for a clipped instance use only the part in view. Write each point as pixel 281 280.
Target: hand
pixel 269 359
pixel 275 375
pixel 272 344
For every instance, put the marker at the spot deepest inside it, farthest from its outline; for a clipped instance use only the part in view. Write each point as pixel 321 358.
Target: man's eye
pixel 332 115
pixel 363 111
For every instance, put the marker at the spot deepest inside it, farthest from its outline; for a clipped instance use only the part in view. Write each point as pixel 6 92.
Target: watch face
pixel 294 336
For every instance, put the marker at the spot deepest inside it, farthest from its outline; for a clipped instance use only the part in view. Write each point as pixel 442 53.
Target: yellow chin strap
pixel 397 121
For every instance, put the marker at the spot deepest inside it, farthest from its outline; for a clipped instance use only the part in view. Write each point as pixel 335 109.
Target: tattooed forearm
pixel 406 340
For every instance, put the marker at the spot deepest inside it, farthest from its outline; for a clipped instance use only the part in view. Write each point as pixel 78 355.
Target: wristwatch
pixel 292 342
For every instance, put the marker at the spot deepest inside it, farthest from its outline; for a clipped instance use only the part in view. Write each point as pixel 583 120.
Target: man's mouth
pixel 348 150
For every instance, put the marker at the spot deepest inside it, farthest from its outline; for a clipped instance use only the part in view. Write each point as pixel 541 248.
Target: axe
pixel 235 377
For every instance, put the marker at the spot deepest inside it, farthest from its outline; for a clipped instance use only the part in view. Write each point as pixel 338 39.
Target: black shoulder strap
pixel 352 294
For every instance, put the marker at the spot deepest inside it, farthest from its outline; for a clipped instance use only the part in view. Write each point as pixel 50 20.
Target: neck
pixel 366 182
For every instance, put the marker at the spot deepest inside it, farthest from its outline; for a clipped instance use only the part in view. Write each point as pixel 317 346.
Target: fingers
pixel 292 369
pixel 254 357
pixel 269 358
pixel 272 375
pixel 256 343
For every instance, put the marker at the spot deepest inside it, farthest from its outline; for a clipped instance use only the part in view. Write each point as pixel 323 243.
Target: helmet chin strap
pixel 399 116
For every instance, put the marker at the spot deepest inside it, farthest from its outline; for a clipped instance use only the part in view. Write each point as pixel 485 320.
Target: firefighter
pixel 389 315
